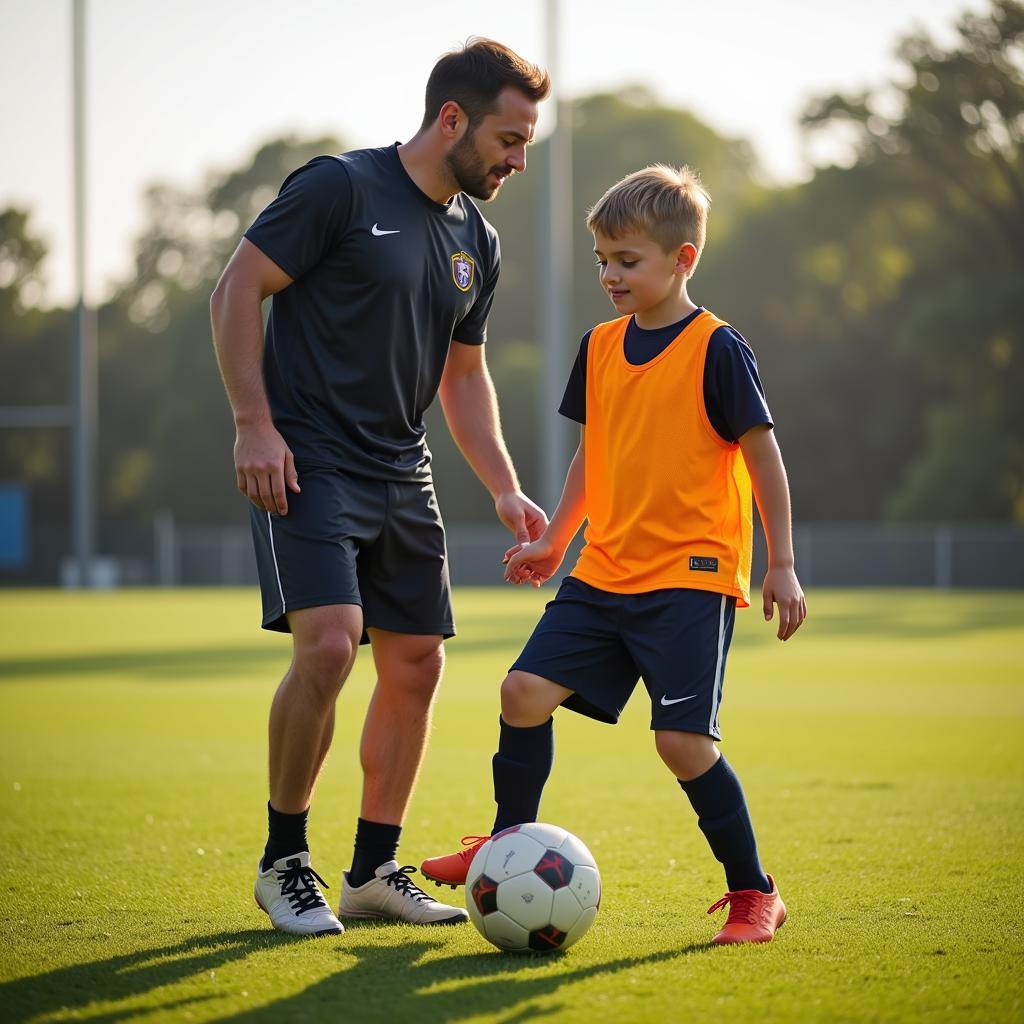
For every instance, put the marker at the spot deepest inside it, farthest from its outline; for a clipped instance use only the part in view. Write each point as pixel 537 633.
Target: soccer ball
pixel 533 888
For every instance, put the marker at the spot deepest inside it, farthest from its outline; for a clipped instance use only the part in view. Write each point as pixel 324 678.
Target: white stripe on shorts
pixel 716 693
pixel 277 572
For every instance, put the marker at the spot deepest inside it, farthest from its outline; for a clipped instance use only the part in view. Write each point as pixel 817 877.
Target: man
pixel 382 274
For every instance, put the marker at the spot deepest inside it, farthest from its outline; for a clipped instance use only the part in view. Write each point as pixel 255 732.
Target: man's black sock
pixel 286 835
pixel 376 844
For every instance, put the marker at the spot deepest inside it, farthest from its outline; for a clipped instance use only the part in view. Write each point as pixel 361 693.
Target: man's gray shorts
pixel 353 540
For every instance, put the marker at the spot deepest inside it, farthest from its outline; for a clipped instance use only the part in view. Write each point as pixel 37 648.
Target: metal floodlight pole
pixel 557 282
pixel 83 447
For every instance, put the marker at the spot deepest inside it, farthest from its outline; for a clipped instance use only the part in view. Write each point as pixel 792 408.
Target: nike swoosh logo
pixel 378 232
pixel 676 700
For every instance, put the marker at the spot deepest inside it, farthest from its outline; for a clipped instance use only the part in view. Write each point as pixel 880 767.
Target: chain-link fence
pixel 833 555
pixel 827 554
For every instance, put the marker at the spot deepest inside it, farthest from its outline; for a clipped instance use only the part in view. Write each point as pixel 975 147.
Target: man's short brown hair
pixel 474 76
pixel 667 204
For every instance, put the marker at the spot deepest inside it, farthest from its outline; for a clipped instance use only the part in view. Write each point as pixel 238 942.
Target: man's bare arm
pixel 471 409
pixel 536 563
pixel 264 466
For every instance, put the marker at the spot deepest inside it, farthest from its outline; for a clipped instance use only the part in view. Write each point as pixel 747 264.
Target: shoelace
pixel 401 882
pixel 744 906
pixel 469 842
pixel 297 884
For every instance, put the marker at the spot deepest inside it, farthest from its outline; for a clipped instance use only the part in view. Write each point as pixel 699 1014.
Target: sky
pixel 178 89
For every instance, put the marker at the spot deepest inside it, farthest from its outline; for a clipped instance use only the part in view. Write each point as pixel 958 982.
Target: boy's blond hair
pixel 668 204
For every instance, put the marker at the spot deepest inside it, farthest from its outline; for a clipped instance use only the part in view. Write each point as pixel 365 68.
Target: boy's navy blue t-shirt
pixel 384 279
pixel 733 393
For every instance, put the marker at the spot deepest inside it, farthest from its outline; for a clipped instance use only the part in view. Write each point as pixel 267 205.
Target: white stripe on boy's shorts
pixel 277 572
pixel 716 693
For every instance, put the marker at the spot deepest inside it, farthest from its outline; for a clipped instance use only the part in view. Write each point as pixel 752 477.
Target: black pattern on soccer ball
pixel 555 869
pixel 485 895
pixel 546 939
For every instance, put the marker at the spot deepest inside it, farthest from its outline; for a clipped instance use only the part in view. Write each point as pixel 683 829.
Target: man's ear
pixel 453 121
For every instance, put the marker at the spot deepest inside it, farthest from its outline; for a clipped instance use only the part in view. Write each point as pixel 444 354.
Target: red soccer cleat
pixel 453 868
pixel 753 916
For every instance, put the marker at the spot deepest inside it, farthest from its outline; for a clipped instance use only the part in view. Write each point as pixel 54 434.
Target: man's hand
pixel 781 587
pixel 526 520
pixel 265 467
pixel 533 563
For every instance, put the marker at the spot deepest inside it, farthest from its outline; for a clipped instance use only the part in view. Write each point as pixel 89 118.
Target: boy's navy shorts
pixel 599 644
pixel 354 540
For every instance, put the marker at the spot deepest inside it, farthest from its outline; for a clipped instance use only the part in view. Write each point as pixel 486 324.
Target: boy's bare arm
pixel 771 489
pixel 264 466
pixel 537 562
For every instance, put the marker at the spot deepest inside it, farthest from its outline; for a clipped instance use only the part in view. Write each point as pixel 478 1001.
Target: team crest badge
pixel 463 269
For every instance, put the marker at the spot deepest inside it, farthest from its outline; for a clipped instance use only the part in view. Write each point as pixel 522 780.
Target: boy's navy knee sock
pixel 521 767
pixel 722 815
pixel 376 844
pixel 286 835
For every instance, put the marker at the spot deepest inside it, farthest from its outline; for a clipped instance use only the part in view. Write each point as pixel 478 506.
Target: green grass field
pixel 881 751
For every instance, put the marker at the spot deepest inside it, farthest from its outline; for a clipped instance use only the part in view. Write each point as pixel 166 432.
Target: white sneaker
pixel 392 894
pixel 288 893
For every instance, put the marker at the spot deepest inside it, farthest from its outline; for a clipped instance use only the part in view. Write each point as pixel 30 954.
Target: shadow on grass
pixel 175 663
pixel 896 616
pixel 397 988
pixel 130 976
pixel 178 663
pixel 384 982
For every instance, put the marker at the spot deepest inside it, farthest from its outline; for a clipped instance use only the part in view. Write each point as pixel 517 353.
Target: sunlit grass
pixel 881 751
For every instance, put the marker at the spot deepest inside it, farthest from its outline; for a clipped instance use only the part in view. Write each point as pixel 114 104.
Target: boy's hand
pixel 781 587
pixel 532 563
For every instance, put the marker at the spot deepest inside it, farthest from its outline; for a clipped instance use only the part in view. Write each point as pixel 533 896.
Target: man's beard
pixel 468 171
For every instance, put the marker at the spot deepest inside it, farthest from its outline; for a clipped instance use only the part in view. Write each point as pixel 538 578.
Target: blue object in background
pixel 13 526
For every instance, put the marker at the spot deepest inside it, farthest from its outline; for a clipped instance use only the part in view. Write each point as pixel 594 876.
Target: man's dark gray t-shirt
pixel 384 279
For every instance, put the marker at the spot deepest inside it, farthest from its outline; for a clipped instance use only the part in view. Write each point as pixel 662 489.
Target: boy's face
pixel 637 273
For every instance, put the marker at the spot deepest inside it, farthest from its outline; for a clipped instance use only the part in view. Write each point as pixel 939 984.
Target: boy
pixel 672 417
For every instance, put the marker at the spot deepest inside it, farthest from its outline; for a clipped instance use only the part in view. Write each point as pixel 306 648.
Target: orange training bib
pixel 668 500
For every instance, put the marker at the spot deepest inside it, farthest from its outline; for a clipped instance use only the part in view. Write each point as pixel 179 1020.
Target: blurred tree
pixel 21 259
pixel 883 299
pixel 945 152
pixel 165 418
pixel 35 368
pixel 812 278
